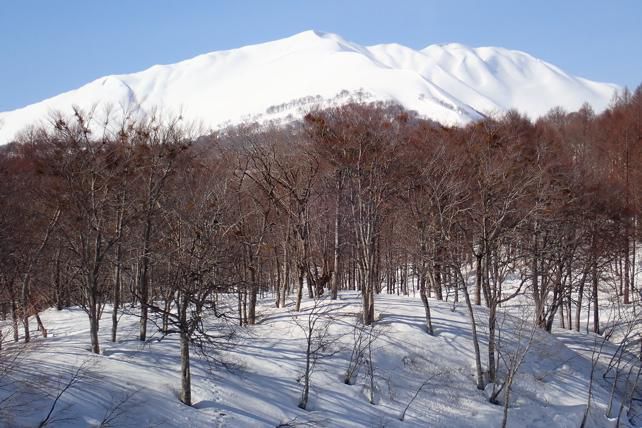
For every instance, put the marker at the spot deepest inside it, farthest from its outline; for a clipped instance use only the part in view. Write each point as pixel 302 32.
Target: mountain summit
pixel 450 83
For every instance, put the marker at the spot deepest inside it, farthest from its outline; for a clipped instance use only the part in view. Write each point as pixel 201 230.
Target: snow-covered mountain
pixel 452 83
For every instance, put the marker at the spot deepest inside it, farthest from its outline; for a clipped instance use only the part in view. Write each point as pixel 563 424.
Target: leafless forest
pixel 150 217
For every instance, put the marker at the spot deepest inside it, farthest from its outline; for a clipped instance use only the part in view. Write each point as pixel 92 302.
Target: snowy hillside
pixel 256 383
pixel 452 83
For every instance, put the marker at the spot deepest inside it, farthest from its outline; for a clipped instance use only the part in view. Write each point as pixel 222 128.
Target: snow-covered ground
pixel 256 382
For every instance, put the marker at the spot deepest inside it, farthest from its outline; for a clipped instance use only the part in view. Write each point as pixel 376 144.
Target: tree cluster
pixel 149 217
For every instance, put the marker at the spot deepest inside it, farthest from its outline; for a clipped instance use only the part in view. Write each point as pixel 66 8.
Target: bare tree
pixel 512 352
pixel 315 323
pixel 195 229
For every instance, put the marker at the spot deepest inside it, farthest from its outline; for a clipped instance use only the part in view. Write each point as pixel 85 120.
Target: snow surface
pixel 258 385
pixel 452 83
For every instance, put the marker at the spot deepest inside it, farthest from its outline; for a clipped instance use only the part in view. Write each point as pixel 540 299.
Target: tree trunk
pixel 286 279
pixel 424 300
pixel 299 290
pixel 580 296
pixel 473 327
pixel 365 298
pixel 310 287
pixel 93 332
pixel 306 376
pixel 240 306
pixel 596 308
pixel 371 302
pixel 627 271
pixel 569 296
pixel 562 317
pixel 143 283
pixel 506 404
pixel 633 258
pixel 93 317
pixel 167 307
pixel 286 266
pixel 279 278
pixel 25 307
pixel 186 376
pixel 41 326
pixel 538 295
pixel 58 287
pixel 438 282
pixel 245 306
pixel 116 295
pixel 251 313
pixel 117 273
pixel 14 319
pixel 336 276
pixel 492 323
pixel 479 275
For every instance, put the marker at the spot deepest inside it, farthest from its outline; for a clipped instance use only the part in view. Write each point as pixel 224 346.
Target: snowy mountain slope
pixel 260 386
pixel 451 83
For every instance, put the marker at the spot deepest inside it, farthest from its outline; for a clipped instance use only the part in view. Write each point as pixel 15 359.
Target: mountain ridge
pixel 451 83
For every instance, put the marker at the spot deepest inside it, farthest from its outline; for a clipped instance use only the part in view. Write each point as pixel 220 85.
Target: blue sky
pixel 47 47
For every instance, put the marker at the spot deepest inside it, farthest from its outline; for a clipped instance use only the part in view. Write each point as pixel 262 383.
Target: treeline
pixel 152 217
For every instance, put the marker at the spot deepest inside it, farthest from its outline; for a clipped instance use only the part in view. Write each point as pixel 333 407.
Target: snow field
pixel 255 383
